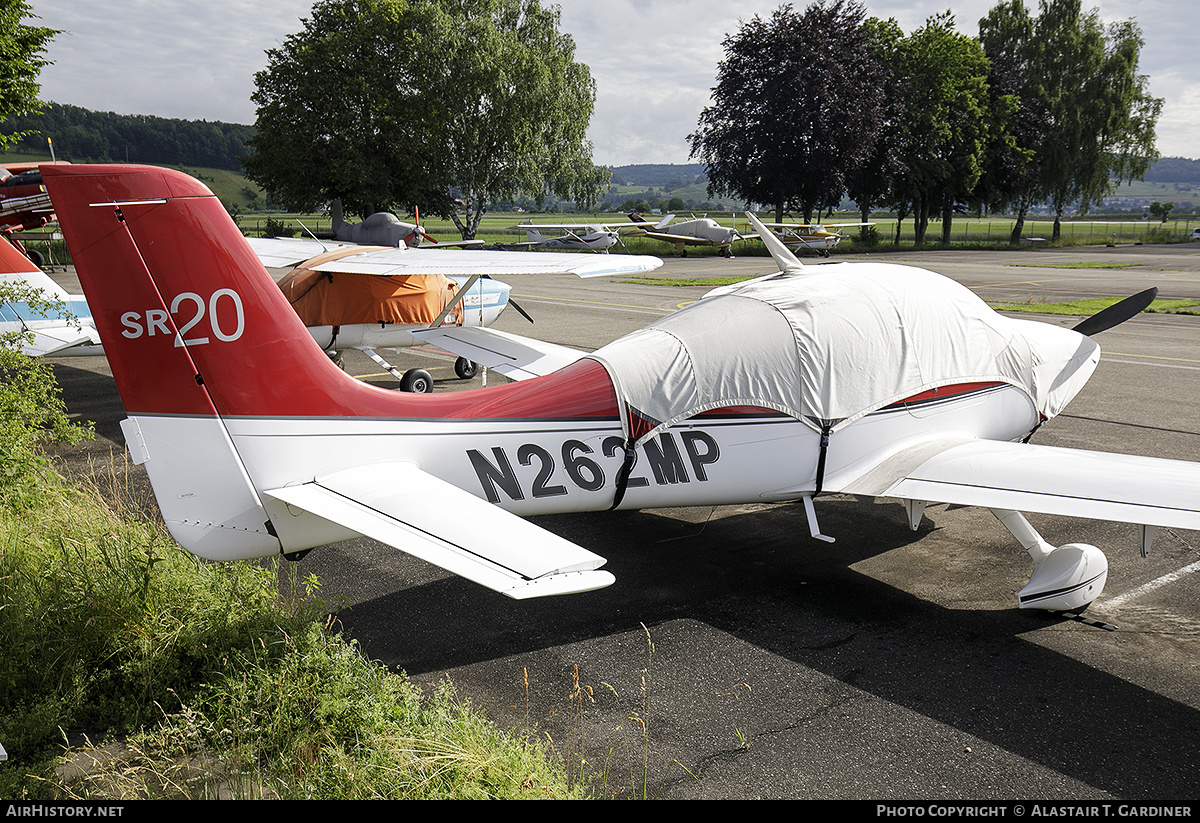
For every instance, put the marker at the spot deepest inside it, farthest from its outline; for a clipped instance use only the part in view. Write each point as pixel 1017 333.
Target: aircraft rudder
pixel 180 299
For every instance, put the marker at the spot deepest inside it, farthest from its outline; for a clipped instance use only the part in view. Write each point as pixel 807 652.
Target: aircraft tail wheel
pixel 1067 580
pixel 417 380
pixel 465 368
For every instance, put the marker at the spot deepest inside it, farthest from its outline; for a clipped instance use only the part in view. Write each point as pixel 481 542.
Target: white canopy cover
pixel 828 344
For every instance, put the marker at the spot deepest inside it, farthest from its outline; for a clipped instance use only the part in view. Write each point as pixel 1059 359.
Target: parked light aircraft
pixel 24 204
pixel 386 229
pixel 864 378
pixel 699 231
pixel 370 298
pixel 64 329
pixel 575 237
pixel 818 237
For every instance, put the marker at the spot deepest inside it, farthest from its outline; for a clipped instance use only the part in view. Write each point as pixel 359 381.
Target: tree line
pixel 811 106
pixel 81 135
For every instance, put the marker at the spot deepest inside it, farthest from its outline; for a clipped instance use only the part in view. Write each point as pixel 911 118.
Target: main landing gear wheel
pixel 417 380
pixel 465 368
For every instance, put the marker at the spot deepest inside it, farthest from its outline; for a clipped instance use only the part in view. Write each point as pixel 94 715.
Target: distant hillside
pixel 80 135
pixel 665 175
pixel 1174 170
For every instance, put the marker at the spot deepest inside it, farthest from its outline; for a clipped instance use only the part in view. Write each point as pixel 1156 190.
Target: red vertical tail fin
pixel 191 321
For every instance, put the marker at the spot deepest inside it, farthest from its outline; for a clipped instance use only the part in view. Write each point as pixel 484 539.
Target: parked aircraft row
pixel 780 389
pixel 697 231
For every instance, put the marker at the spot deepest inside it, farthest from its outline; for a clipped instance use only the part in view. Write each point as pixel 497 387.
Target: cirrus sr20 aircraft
pixel 865 378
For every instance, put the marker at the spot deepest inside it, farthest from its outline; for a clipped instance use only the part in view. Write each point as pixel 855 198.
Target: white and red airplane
pixel 61 324
pixel 864 378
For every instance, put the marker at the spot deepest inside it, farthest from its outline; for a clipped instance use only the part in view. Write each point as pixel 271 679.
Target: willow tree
pixel 447 104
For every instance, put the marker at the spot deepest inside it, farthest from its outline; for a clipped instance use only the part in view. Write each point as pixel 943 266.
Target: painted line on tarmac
pixel 1146 588
pixel 649 309
pixel 1140 360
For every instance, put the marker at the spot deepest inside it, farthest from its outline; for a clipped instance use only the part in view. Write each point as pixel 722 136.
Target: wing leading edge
pixel 399 504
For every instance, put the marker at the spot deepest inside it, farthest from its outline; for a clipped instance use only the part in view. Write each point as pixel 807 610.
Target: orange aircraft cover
pixel 323 298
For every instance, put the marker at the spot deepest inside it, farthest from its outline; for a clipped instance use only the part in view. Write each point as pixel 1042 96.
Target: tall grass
pixel 131 669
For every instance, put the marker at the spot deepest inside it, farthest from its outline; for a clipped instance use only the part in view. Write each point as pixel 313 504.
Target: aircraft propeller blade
pixel 420 229
pixel 1117 313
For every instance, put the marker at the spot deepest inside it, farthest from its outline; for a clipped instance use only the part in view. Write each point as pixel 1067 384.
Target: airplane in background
pixel 386 229
pixel 60 330
pixel 24 204
pixel 371 297
pixel 818 237
pixel 699 231
pixel 256 444
pixel 597 238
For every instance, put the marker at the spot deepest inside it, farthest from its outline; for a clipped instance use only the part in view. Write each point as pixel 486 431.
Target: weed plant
pixel 170 677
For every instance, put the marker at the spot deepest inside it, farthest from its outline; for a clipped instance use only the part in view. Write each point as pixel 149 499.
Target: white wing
pixel 276 252
pixel 511 355
pixel 1097 485
pixel 56 339
pixel 399 504
pixel 283 252
pixel 465 263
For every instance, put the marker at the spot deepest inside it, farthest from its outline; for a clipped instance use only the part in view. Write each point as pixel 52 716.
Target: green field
pixel 246 201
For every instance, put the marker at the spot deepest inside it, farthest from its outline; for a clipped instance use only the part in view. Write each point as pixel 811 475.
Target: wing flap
pixel 399 504
pixel 513 356
pixel 49 340
pixel 1098 485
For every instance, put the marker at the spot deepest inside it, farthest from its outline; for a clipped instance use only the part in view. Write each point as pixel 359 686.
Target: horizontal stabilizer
pixel 1019 476
pixel 55 340
pixel 513 356
pixel 399 504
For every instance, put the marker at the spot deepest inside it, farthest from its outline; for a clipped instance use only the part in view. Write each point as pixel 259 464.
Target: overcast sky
pixel 653 61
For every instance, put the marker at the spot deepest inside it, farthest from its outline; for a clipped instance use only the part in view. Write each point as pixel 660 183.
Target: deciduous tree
pixel 450 104
pixel 796 108
pixel 1091 121
pixel 944 128
pixel 22 56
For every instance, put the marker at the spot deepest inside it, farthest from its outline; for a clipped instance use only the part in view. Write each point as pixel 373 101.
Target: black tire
pixel 465 368
pixel 417 380
pixel 35 257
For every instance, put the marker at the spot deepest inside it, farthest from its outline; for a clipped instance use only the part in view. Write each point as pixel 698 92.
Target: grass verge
pixel 133 670
pixel 1086 308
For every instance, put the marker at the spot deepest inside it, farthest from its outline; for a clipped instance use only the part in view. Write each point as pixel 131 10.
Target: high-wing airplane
pixel 370 298
pixel 699 231
pixel 818 237
pixel 598 238
pixel 64 329
pixel 863 378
